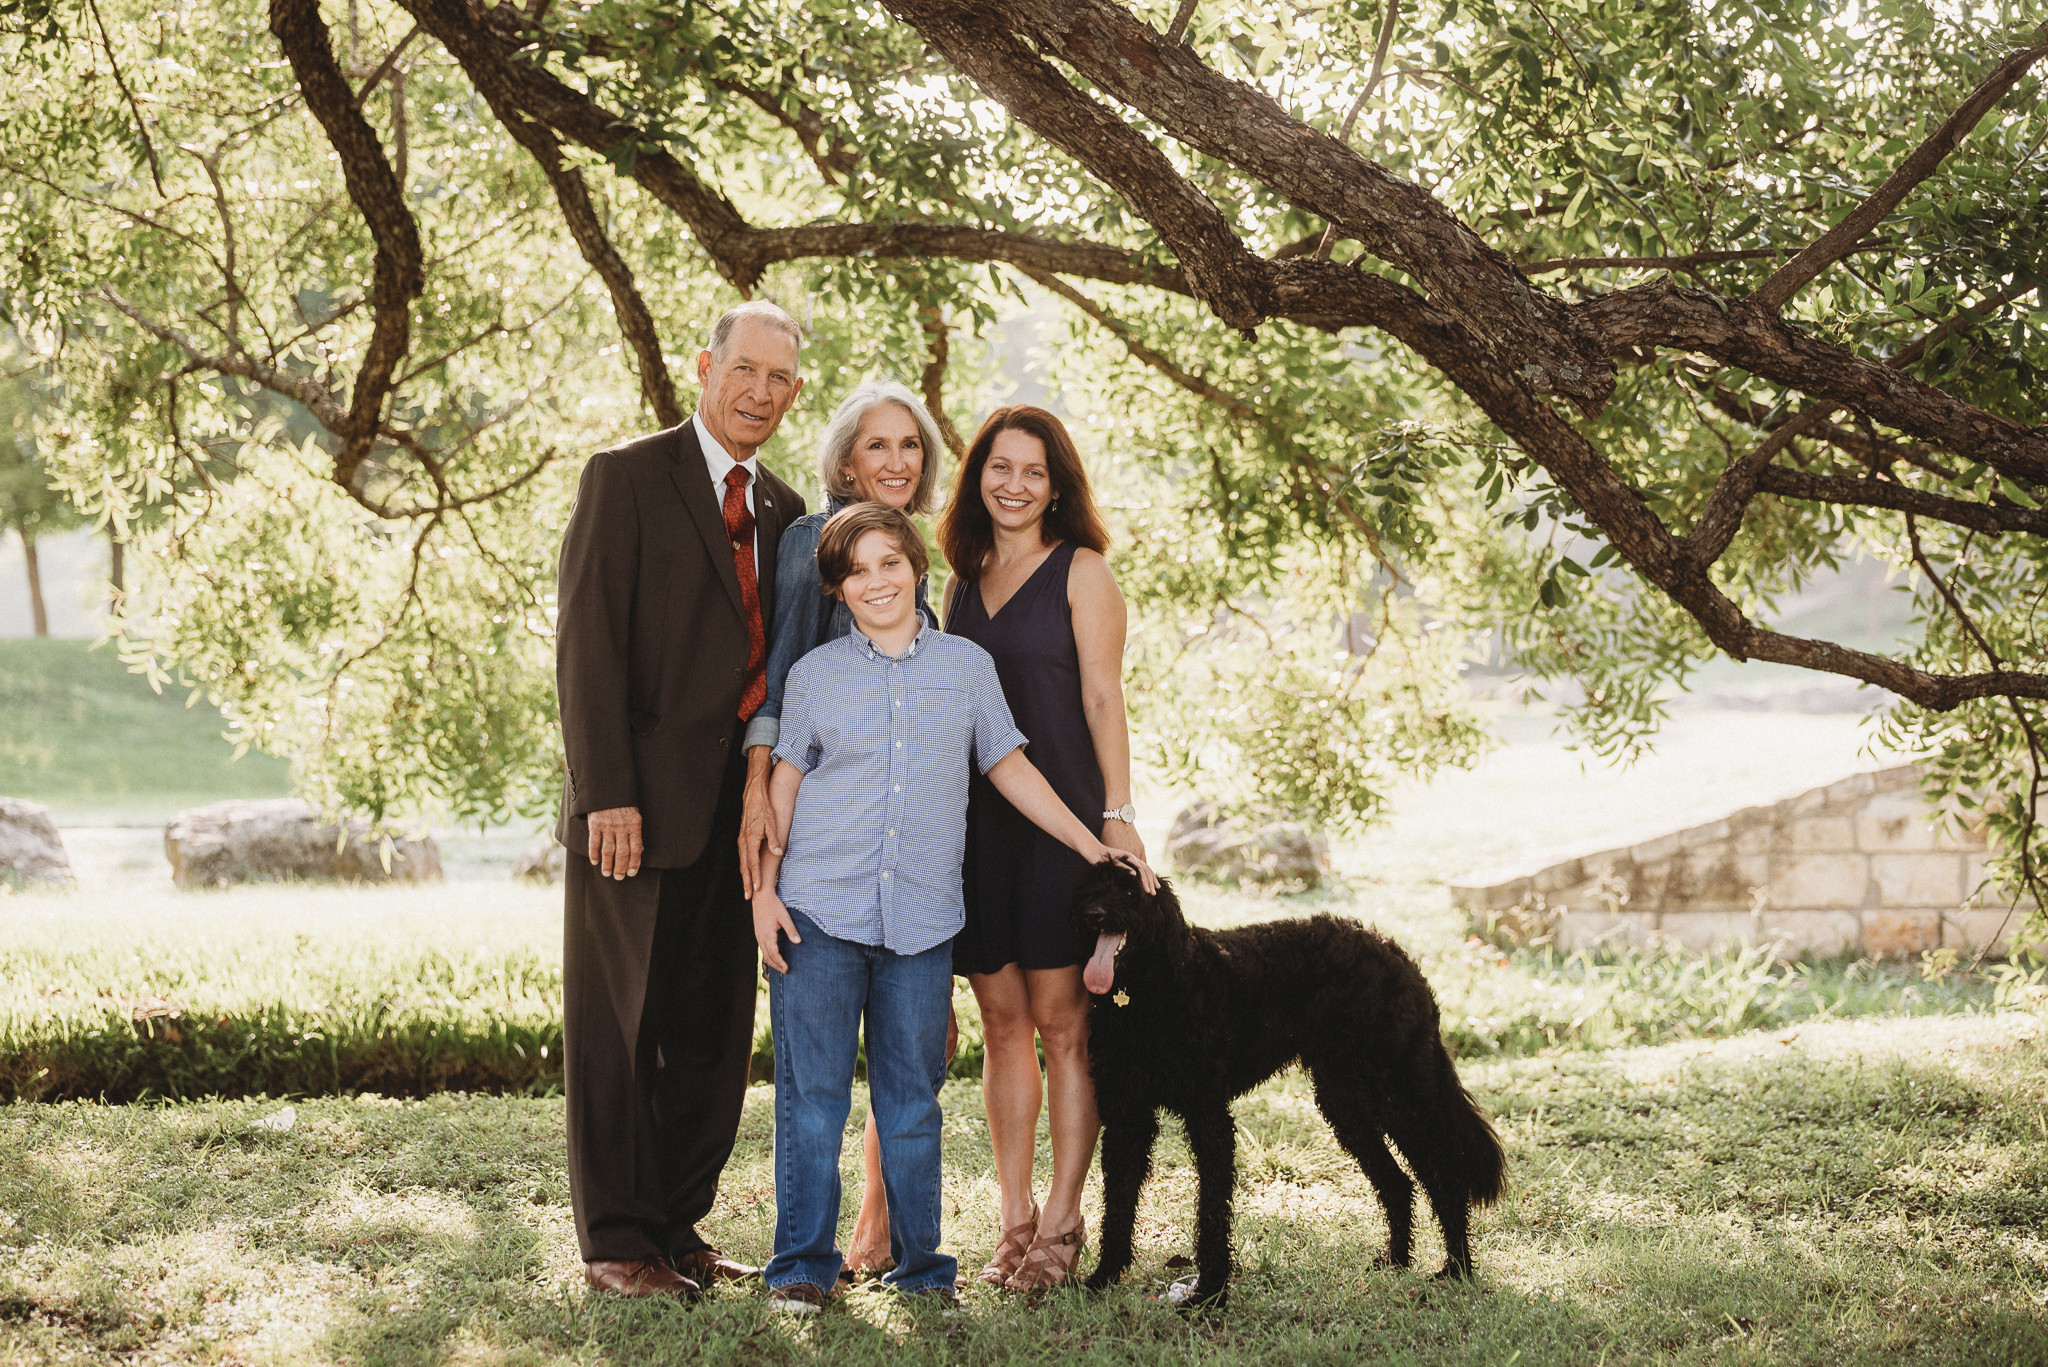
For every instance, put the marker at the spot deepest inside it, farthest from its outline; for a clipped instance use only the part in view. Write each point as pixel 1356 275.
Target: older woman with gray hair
pixel 881 446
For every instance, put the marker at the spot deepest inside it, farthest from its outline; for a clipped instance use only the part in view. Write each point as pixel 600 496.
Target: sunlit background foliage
pixel 1319 536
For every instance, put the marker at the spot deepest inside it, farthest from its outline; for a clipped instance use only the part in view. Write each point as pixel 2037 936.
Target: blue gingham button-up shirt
pixel 884 742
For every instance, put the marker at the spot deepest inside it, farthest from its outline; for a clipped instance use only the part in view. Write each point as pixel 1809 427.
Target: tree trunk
pixel 37 611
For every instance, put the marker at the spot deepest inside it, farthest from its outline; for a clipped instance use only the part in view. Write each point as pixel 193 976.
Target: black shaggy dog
pixel 1190 1019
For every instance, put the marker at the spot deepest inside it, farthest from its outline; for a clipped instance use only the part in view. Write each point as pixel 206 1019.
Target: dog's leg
pixel 1127 1139
pixel 1389 1183
pixel 1344 1097
pixel 1212 1137
pixel 1426 1150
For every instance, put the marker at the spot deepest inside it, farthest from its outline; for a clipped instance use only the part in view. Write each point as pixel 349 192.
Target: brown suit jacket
pixel 651 639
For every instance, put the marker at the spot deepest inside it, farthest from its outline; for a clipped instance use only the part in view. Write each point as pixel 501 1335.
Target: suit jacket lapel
pixel 693 482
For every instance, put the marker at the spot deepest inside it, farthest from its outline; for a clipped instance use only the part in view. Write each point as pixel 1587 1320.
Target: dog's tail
pixel 1470 1135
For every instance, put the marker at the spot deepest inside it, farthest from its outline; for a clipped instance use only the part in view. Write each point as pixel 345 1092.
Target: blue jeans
pixel 817 1009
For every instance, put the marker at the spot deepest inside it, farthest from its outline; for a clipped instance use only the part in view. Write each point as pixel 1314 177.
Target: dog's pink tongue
pixel 1100 974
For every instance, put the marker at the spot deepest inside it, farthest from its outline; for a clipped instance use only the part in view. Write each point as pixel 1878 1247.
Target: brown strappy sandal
pixel 1009 1254
pixel 1050 1259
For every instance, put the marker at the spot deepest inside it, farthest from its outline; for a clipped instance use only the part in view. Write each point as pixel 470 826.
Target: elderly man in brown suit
pixel 667 573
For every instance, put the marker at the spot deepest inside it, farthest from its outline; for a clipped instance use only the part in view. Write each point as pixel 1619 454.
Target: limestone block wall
pixel 1860 864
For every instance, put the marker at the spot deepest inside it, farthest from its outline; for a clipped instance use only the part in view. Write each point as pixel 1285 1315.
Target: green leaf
pixel 1571 213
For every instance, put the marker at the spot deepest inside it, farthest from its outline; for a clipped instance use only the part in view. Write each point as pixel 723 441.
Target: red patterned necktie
pixel 739 527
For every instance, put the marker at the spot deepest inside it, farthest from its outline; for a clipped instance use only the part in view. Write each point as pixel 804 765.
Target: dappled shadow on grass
pixel 447 1280
pixel 1865 1193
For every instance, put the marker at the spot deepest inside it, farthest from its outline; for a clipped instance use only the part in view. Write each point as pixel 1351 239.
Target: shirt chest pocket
pixel 941 715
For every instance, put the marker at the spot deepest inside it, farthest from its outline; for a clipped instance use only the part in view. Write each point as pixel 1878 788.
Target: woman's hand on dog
pixel 1146 878
pixel 1121 835
pixel 771 918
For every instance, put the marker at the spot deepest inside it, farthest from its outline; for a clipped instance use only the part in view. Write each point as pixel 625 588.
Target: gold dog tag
pixel 1122 998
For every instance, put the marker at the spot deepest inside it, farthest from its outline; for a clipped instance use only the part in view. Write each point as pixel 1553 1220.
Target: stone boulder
pixel 281 840
pixel 31 851
pixel 542 862
pixel 1209 840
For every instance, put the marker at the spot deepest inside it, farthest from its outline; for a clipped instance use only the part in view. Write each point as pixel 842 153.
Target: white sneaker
pixel 796 1298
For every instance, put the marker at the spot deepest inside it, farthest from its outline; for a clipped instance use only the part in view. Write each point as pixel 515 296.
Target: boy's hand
pixel 1146 877
pixel 771 918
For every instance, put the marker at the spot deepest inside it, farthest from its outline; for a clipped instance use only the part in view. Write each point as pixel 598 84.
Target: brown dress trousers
pixel 657 970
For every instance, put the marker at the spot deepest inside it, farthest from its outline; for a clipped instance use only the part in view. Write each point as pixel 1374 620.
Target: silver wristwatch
pixel 1126 814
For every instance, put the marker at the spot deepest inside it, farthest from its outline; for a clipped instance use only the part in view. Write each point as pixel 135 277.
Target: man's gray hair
pixel 758 310
pixel 835 447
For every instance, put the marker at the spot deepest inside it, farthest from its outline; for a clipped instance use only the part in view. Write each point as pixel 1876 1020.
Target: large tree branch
pixel 1598 488
pixel 1729 499
pixel 482 60
pixel 1837 241
pixel 1667 314
pixel 1481 325
pixel 1116 53
pixel 939 353
pixel 919 241
pixel 1677 263
pixel 1532 335
pixel 1875 451
pixel 1218 267
pixel 740 251
pixel 1328 480
pixel 1993 518
pixel 396 276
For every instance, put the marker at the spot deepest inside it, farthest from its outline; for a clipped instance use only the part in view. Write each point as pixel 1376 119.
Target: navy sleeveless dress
pixel 1019 880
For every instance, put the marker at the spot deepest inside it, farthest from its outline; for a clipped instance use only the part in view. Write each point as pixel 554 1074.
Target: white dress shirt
pixel 718 462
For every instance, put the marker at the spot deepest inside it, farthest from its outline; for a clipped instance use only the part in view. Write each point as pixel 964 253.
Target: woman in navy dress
pixel 1030 586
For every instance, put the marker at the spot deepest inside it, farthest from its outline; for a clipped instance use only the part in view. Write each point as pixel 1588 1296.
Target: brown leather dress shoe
pixel 708 1265
pixel 640 1277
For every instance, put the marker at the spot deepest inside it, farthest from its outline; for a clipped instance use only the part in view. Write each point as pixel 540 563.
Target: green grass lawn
pixel 1853 1192
pixel 1712 1160
pixel 83 736
pixel 300 991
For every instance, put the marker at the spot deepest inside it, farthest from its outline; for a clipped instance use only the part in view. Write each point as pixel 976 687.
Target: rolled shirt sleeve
pixel 798 742
pixel 799 606
pixel 995 730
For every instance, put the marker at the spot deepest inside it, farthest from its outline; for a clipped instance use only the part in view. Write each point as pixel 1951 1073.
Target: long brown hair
pixel 966 533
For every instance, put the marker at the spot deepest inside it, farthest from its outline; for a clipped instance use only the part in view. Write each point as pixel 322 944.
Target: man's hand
pixel 757 821
pixel 770 916
pixel 615 841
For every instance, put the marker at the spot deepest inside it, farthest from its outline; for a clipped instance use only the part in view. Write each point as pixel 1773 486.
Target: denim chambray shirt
pixel 884 743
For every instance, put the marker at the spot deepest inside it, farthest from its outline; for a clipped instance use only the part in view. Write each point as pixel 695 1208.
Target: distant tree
pixel 29 505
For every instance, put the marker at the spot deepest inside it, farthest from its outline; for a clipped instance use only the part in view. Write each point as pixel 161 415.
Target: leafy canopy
pixel 1336 457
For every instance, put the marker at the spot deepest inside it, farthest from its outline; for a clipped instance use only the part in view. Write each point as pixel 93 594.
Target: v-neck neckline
pixel 1037 570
